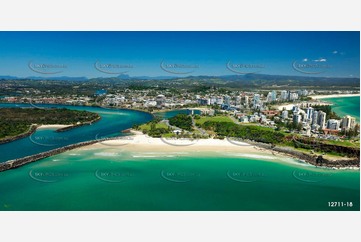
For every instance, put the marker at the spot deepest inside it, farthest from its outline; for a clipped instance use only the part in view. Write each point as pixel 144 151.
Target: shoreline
pixel 53 126
pixel 34 127
pixel 143 143
pixel 90 106
pixel 15 163
pixel 289 106
pixel 31 130
pixel 149 146
pixel 139 142
pixel 333 96
pixel 319 98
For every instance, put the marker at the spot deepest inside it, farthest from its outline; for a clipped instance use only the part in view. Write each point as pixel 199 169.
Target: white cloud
pixel 334 52
pixel 305 60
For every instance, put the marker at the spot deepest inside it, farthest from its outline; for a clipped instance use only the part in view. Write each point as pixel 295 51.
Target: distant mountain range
pixel 247 80
pixel 83 78
pixel 58 78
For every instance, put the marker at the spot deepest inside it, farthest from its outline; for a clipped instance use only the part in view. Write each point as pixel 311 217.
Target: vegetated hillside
pixel 248 81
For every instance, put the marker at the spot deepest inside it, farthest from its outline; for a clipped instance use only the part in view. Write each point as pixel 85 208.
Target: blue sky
pixel 210 51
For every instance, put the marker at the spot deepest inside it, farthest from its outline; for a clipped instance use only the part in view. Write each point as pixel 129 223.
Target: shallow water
pixel 115 179
pixel 112 178
pixel 112 122
pixel 346 106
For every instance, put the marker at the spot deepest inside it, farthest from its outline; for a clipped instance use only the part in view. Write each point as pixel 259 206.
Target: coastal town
pixel 180 121
pixel 136 137
pixel 296 111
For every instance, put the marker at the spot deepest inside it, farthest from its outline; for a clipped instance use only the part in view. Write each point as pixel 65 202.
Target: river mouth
pixel 111 125
pixel 110 178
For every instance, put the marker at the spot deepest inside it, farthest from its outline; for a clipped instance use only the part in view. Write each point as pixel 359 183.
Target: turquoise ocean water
pixel 112 178
pixel 346 106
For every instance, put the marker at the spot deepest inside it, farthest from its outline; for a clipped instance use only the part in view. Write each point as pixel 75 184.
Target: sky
pixel 108 54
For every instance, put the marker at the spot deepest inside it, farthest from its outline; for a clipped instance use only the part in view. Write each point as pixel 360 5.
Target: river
pixel 112 178
pixel 112 122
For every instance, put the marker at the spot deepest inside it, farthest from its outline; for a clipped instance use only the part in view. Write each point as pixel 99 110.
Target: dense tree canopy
pixel 182 121
pixel 14 121
pixel 250 132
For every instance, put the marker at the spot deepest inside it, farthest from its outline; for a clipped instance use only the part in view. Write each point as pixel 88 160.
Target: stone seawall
pixel 11 164
pixel 317 160
pixel 78 125
pixel 322 147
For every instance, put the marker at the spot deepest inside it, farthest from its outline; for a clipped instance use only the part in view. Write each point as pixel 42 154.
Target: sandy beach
pixel 334 96
pixel 141 143
pixel 290 106
pixel 286 106
pixel 315 99
pixel 53 126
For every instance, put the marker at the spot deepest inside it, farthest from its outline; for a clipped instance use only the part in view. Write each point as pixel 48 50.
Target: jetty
pixel 11 164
